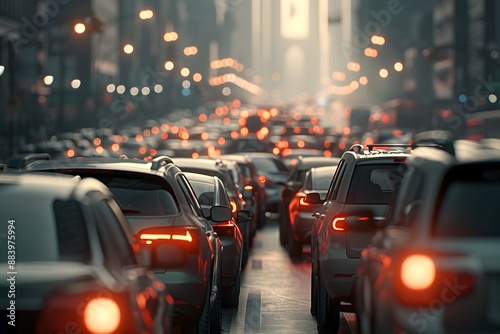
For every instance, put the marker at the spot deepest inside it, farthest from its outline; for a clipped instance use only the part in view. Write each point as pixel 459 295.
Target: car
pixel 249 171
pixel 217 168
pixel 70 262
pixel 293 183
pixel 353 211
pixel 437 262
pixel 301 210
pixel 211 192
pixel 166 217
pixel 273 174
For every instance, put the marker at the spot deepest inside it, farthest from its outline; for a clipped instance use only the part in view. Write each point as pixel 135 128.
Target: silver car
pixel 436 267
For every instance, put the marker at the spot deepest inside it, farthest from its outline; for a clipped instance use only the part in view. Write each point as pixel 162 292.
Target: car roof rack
pixel 26 160
pixel 357 148
pixel 440 139
pixel 160 161
pixel 371 146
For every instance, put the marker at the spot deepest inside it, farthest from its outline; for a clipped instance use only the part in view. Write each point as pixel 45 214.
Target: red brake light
pixel 248 187
pixel 338 223
pixel 418 272
pixel 422 278
pixel 93 310
pixel 102 315
pixel 185 237
pixel 234 207
pixel 262 179
pixel 302 201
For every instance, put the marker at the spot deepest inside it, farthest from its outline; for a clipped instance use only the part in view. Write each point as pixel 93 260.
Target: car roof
pixel 93 163
pixel 309 162
pixel 53 185
pixel 196 177
pixel 198 163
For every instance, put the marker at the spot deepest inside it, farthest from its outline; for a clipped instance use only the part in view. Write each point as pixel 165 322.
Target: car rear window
pixel 49 231
pixel 374 184
pixel 469 202
pixel 322 181
pixel 269 165
pixel 137 195
pixel 204 191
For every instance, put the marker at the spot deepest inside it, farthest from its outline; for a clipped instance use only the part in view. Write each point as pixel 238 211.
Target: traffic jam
pixel 237 167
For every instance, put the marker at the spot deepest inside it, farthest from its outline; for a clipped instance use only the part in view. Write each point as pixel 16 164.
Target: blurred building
pixel 387 40
pixel 19 66
pixel 465 60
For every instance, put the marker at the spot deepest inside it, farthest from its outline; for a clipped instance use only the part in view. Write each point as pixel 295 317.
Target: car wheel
pixel 216 313
pixel 327 314
pixel 231 295
pixel 294 246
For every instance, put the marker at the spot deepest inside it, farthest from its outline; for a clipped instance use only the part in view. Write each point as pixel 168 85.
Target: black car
pixel 219 169
pixel 294 182
pixel 72 263
pixel 211 192
pixel 165 215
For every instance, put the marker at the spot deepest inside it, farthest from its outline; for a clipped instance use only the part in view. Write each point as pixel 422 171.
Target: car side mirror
pixel 244 216
pixel 313 198
pixel 220 213
pixel 294 185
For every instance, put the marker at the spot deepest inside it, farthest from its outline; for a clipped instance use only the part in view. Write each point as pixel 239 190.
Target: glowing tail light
pixel 248 187
pixel 102 315
pixel 151 236
pixel 234 207
pixel 338 224
pixel 185 237
pixel 421 277
pixel 418 272
pixel 92 310
pixel 262 179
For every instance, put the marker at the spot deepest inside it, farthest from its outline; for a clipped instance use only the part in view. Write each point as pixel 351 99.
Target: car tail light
pixel 224 229
pixel 248 187
pixel 102 315
pixel 185 237
pixel 234 207
pixel 338 223
pixel 423 278
pixel 262 179
pixel 303 205
pixel 89 311
pixel 418 272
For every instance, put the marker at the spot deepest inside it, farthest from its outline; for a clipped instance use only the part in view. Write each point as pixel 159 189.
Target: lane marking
pixel 252 314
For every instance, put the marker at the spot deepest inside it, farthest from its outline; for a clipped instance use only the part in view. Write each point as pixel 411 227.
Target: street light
pixel 169 65
pixel 75 83
pixel 185 72
pixel 383 73
pixel 170 36
pixel 398 66
pixel 197 77
pixel 48 80
pixel 158 88
pixel 146 14
pixel 80 28
pixel 128 49
pixel 110 88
